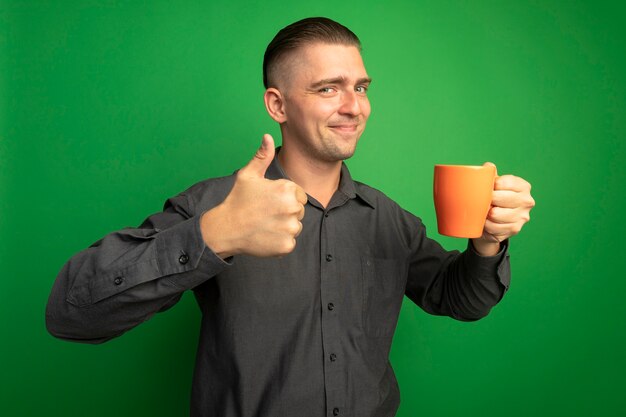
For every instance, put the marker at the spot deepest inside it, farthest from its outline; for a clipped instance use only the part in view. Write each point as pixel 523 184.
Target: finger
pixel 504 215
pixel 512 183
pixel 300 230
pixel 512 199
pixel 262 159
pixel 506 199
pixel 301 213
pixel 499 231
pixel 301 196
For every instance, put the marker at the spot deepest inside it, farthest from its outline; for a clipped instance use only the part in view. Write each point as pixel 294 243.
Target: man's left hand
pixel 510 210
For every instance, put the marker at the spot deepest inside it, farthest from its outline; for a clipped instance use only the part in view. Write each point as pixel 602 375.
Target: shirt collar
pixel 347 186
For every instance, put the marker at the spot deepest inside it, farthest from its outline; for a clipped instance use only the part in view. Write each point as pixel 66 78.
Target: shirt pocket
pixel 384 281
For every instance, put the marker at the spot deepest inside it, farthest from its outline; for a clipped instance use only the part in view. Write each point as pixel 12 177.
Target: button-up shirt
pixel 307 334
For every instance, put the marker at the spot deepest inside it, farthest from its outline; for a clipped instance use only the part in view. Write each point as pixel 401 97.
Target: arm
pixel 464 286
pixel 129 275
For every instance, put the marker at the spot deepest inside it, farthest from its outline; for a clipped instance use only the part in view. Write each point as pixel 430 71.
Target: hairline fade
pixel 303 32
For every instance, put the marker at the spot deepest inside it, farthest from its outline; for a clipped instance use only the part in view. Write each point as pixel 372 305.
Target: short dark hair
pixel 309 30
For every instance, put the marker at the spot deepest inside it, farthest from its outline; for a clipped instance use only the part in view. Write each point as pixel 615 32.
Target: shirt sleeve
pixel 125 278
pixel 462 285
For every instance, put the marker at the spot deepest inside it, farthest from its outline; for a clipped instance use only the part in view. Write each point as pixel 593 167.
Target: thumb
pixel 262 159
pixel 491 164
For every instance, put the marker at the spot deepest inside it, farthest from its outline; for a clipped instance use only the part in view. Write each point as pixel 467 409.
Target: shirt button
pixel 331 306
pixel 329 257
pixel 335 411
pixel 325 214
pixel 333 357
pixel 118 280
pixel 183 259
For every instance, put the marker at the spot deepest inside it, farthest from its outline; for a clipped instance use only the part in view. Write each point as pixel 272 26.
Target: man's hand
pixel 510 210
pixel 259 217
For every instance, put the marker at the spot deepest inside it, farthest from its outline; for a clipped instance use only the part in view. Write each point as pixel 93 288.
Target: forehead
pixel 316 61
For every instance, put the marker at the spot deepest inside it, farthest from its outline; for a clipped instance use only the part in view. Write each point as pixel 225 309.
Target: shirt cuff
pixel 488 267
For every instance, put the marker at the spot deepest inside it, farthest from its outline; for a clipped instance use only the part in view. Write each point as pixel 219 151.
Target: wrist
pixel 214 226
pixel 484 247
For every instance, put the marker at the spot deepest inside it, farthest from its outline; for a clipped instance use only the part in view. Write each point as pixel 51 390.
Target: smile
pixel 345 128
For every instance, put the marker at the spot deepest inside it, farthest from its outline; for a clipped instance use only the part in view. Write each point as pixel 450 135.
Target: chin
pixel 348 155
pixel 342 154
pixel 338 149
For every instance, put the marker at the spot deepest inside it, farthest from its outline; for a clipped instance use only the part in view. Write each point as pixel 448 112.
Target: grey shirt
pixel 307 334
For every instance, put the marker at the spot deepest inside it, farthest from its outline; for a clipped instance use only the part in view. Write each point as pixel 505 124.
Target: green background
pixel 109 107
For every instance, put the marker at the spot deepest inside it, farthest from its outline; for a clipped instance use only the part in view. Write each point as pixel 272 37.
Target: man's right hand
pixel 259 217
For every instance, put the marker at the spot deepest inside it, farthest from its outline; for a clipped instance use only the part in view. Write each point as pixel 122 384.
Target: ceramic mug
pixel 462 195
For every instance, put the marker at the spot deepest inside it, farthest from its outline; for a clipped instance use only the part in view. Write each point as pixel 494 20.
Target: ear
pixel 275 105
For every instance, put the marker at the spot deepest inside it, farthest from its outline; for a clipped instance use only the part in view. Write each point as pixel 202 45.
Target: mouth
pixel 345 127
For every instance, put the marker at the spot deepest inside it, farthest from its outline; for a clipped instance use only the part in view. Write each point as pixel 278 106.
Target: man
pixel 299 271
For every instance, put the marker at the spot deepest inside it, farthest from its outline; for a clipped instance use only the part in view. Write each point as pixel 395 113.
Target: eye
pixel 361 89
pixel 326 90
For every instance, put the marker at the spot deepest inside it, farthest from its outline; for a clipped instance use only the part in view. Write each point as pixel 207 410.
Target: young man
pixel 299 271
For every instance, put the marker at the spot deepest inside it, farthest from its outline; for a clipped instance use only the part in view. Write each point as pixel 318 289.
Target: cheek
pixel 325 111
pixel 299 116
pixel 366 109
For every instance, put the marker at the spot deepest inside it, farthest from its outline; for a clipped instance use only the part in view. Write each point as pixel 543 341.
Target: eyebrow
pixel 338 80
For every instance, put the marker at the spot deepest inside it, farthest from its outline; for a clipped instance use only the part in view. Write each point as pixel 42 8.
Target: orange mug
pixel 462 195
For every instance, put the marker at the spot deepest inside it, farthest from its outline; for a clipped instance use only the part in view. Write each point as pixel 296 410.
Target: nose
pixel 350 104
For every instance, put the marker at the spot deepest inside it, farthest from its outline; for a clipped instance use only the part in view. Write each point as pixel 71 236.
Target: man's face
pixel 325 101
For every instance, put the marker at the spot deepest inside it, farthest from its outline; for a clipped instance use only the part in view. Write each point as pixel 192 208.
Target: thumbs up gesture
pixel 259 217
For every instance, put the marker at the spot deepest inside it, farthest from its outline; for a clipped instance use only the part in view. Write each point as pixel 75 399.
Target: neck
pixel 319 179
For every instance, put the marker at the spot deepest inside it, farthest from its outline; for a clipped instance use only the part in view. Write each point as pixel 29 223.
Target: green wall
pixel 109 107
